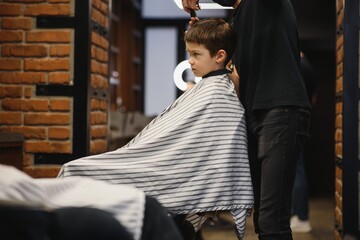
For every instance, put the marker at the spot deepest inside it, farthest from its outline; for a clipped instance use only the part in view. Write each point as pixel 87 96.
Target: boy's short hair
pixel 214 34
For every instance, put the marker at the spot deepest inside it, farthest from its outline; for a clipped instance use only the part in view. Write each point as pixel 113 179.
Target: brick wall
pixel 31 56
pixel 99 78
pixel 339 120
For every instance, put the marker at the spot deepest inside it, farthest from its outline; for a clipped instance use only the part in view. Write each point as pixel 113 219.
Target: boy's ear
pixel 221 56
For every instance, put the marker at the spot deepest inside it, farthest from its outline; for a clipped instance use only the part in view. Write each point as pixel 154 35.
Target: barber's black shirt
pixel 267 58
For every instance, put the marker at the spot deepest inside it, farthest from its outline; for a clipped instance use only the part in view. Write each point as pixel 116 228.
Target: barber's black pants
pixel 275 139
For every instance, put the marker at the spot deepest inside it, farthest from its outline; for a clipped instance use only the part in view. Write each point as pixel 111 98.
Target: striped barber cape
pixel 192 157
pixel 19 189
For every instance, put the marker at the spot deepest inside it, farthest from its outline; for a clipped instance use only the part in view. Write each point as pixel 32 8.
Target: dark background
pixel 317 29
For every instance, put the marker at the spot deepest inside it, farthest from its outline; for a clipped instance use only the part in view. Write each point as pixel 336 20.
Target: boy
pixel 193 156
pixel 197 37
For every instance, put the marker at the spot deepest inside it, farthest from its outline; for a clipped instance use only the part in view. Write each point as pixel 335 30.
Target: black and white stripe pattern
pixel 18 189
pixel 192 157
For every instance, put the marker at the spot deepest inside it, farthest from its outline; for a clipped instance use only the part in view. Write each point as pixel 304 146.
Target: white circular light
pixel 178 72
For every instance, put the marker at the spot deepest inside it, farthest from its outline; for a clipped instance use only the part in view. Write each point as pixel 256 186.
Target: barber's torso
pixel 268 58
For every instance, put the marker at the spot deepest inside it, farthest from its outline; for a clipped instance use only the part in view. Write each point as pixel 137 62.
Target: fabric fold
pixel 192 157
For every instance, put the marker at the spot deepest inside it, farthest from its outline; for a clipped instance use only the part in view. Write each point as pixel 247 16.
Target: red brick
pixel 47 147
pixel 42 171
pixel 340 19
pixel 99 17
pixel 338 186
pixel 98 146
pixel 60 105
pixel 338 150
pixel 103 105
pixel 11 118
pixel 104 71
pixel 22 77
pixel 11 91
pixel 47 9
pixel 28 132
pixel 99 40
pixel 59 133
pixel 34 132
pixel 27 1
pixel 25 105
pixel 48 36
pixel 11 104
pixel 95 38
pixel 59 77
pixel 339 70
pixel 98 81
pixel 37 105
pixel 46 119
pixel 338 215
pixel 95 67
pixel 104 43
pixel 10 64
pixel 7 9
pixel 338 108
pixel 340 55
pixel 96 4
pixel 338 121
pixel 99 54
pixel 98 132
pixel 104 8
pixel 11 36
pixel 338 135
pixel 98 118
pixel 338 172
pixel 99 68
pixel 60 51
pixel 340 5
pixel 94 104
pixel 58 1
pixel 28 50
pixel 339 85
pixel 28 92
pixel 16 23
pixel 340 41
pixel 46 64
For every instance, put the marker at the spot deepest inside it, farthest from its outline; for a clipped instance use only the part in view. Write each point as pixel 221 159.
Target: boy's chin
pixel 200 75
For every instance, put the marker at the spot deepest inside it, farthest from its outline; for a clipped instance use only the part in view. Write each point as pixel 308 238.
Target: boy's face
pixel 200 60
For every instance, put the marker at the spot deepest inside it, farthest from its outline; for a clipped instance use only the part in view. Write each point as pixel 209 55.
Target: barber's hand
pixel 192 21
pixel 190 4
pixel 234 77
